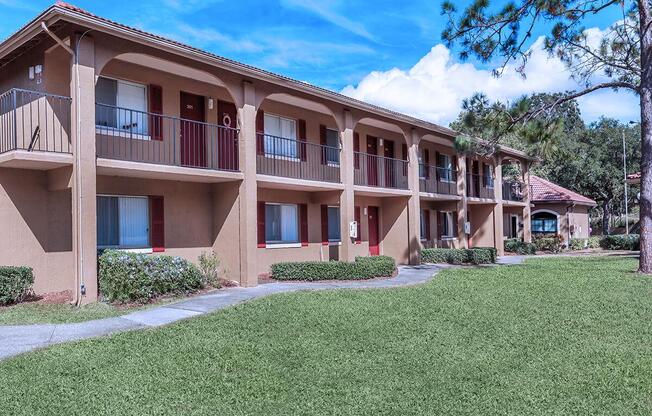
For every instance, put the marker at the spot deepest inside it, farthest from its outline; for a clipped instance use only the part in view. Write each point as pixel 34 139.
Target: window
pixel 423 231
pixel 334 234
pixel 488 174
pixel 445 168
pixel 281 223
pixel 123 105
pixel 448 225
pixel 122 221
pixel 333 143
pixel 544 223
pixel 280 136
pixel 422 166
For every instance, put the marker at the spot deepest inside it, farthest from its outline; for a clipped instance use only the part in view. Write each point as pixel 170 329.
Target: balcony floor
pixel 280 182
pixel 380 192
pixel 112 167
pixel 35 160
pixel 439 197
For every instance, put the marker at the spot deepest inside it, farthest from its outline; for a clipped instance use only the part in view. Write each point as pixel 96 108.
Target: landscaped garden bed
pixel 361 268
pixel 479 255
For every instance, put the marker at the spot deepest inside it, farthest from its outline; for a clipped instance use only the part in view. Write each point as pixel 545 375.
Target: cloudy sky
pixel 388 54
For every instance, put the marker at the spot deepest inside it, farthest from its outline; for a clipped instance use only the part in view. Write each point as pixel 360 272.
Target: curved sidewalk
pixel 22 338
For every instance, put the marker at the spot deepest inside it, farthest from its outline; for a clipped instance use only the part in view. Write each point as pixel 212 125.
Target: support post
pixel 414 206
pixel 498 208
pixel 462 206
pixel 347 196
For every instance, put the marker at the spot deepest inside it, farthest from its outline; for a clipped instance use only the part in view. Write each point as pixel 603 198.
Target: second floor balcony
pixel 379 171
pixel 297 159
pixel 513 191
pixel 34 121
pixel 479 186
pixel 138 136
pixel 437 180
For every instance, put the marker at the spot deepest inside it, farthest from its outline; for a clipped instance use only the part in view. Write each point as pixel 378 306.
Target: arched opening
pixel 545 223
pixel 157 111
pixel 297 138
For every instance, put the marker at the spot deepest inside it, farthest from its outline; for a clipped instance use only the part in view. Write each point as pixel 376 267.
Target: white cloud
pixel 433 89
pixel 205 36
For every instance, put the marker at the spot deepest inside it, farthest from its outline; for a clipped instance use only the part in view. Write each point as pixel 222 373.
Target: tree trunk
pixel 606 216
pixel 645 265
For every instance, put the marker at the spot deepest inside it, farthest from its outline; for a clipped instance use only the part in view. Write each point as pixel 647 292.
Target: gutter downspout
pixel 79 265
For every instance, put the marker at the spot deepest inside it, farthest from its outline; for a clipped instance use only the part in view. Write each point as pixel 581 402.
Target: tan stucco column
pixel 347 196
pixel 527 197
pixel 414 205
pixel 462 206
pixel 84 191
pixel 248 188
pixel 498 208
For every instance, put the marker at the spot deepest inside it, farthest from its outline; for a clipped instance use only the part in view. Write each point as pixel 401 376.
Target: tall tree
pixel 623 56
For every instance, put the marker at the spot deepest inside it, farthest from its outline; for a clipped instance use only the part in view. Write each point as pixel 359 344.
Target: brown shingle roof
pixel 546 191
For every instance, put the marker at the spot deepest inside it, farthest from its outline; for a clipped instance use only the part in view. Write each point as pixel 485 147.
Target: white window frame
pixel 339 217
pixel 295 158
pixel 281 243
pixel 448 167
pixel 116 131
pixel 450 223
pixel 135 249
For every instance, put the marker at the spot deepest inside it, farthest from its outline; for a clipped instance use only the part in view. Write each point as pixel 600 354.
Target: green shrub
pixel 131 277
pixel 578 243
pixel 593 242
pixel 361 268
pixel 15 284
pixel 620 242
pixel 515 245
pixel 209 267
pixel 549 244
pixel 478 255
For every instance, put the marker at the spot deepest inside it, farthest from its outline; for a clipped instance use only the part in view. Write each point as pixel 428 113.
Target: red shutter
pixel 156 107
pixel 357 217
pixel 157 223
pixel 426 161
pixel 260 132
pixel 261 224
pixel 356 150
pixel 301 126
pixel 303 221
pixel 322 141
pixel 437 167
pixel 405 158
pixel 324 225
pixel 440 225
pixel 426 217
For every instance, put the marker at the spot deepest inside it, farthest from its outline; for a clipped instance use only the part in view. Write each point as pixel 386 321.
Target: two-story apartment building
pixel 111 137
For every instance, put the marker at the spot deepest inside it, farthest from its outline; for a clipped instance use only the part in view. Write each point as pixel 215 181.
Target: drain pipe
pixel 79 278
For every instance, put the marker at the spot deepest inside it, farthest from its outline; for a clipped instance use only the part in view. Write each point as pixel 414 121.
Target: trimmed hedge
pixel 593 242
pixel 478 255
pixel 15 284
pixel 515 245
pixel 620 242
pixel 578 244
pixel 549 244
pixel 361 268
pixel 131 277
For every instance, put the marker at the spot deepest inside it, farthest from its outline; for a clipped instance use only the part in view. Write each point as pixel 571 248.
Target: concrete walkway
pixel 22 338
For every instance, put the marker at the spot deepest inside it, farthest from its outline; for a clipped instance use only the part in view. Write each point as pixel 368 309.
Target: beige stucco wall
pixel 36 228
pixel 508 212
pixel 482 225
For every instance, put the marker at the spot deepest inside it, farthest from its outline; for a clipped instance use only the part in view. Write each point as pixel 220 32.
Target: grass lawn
pixel 556 337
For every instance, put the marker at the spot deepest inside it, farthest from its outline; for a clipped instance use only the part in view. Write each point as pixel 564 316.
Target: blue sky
pixel 333 44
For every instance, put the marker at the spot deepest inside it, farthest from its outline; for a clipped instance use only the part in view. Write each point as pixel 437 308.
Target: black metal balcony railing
pixel 379 171
pixel 290 158
pixel 34 121
pixel 437 180
pixel 138 136
pixel 479 186
pixel 513 191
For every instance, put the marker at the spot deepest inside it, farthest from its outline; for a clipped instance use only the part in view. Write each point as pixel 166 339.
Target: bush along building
pixel 111 137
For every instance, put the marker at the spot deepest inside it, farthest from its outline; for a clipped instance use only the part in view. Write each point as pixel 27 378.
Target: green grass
pixel 38 313
pixel 555 337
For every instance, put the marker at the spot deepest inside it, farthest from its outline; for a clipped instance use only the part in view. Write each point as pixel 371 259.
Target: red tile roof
pixel 546 191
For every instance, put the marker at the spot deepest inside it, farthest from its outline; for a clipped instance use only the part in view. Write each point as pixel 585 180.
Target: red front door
pixel 372 161
pixel 193 143
pixel 227 152
pixel 390 169
pixel 374 243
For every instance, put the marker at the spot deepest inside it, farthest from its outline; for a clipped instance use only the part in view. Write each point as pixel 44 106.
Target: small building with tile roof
pixel 559 211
